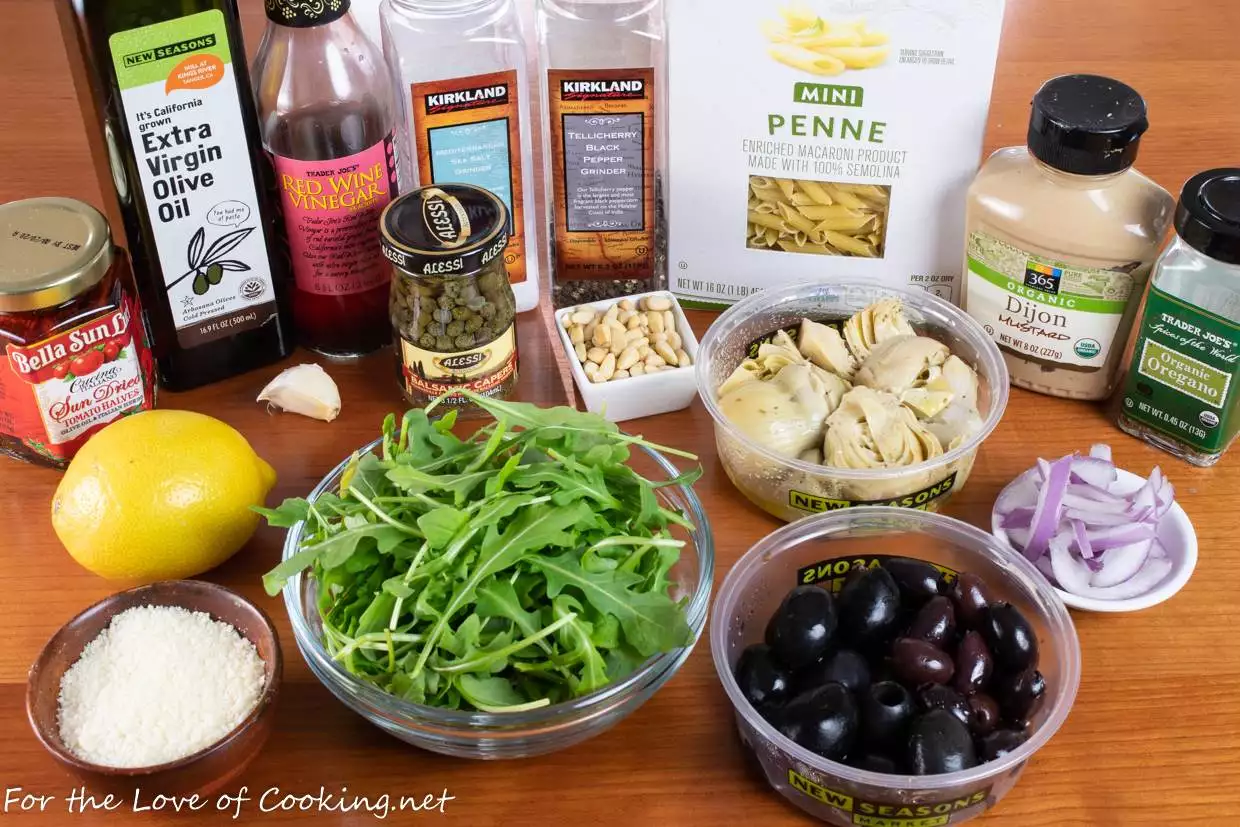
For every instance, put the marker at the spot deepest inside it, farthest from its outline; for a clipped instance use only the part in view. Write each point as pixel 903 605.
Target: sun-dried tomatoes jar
pixel 75 353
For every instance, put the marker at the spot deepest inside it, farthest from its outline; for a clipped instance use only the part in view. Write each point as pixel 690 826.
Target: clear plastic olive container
pixel 789 487
pixel 823 549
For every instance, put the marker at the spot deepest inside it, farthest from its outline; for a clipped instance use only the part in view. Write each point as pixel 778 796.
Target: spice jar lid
pixel 1086 124
pixel 444 230
pixel 1208 215
pixel 51 249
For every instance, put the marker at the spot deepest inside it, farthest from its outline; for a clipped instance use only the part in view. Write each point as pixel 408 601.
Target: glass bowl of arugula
pixel 503 594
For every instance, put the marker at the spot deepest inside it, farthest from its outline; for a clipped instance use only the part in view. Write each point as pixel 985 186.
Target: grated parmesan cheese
pixel 158 684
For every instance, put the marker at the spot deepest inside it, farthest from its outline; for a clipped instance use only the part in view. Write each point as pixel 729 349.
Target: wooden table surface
pixel 1154 737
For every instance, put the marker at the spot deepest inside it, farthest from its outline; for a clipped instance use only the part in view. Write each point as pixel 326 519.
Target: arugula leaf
pixel 494 695
pixel 441 525
pixel 288 514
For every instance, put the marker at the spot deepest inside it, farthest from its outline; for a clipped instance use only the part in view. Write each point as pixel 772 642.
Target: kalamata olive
pixel 1019 694
pixel 869 607
pixel 918 580
pixel 762 682
pixel 842 666
pixel 935 622
pixel 917 662
pixel 973 664
pixel 984 712
pixel 970 594
pixel 824 720
pixel 939 743
pixel 877 763
pixel 936 696
pixel 1000 743
pixel 801 629
pixel 886 709
pixel 1011 639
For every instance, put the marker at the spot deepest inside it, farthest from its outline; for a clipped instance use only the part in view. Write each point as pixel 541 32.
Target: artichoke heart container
pixel 791 488
pixel 452 306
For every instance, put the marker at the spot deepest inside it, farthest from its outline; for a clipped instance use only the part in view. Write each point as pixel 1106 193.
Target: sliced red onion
pixel 1087 538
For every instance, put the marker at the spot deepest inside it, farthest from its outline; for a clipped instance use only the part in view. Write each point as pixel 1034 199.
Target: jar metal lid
pixel 51 249
pixel 1208 215
pixel 1086 124
pixel 444 230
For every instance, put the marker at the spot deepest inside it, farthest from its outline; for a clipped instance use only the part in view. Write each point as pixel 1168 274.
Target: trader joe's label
pixel 1184 375
pixel 184 119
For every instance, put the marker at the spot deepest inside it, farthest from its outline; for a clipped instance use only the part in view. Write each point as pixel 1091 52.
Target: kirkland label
pixel 936 811
pixel 331 212
pixel 1184 373
pixel 1041 309
pixel 602 145
pixel 924 500
pixel 467 130
pixel 183 114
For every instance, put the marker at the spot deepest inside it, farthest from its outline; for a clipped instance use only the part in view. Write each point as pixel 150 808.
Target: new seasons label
pixel 831 574
pixel 886 814
pixel 195 44
pixel 586 90
pixel 493 95
pixel 919 500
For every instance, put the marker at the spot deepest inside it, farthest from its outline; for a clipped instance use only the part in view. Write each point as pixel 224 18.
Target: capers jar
pixel 452 307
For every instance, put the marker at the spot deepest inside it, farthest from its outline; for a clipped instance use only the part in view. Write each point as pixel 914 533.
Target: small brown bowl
pixel 207 770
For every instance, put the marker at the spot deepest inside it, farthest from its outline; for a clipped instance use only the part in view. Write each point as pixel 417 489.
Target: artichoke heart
pixel 959 419
pixel 902 362
pixel 874 324
pixel 825 347
pixel 785 414
pixel 746 371
pixel 872 429
pixel 777 354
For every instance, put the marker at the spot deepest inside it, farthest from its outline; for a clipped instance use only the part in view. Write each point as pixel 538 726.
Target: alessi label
pixel 483 370
pixel 331 213
pixel 57 392
pixel 467 130
pixel 602 146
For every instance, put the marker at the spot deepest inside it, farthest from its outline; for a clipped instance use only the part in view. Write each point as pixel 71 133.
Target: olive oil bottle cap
pixel 303 14
pixel 1086 124
pixel 1208 215
pixel 51 249
pixel 444 230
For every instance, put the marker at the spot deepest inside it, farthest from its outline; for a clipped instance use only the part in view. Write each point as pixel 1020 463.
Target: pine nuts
pixel 628 338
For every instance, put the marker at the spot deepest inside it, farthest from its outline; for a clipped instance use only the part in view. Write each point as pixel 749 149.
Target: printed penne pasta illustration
pixel 804 40
pixel 818 217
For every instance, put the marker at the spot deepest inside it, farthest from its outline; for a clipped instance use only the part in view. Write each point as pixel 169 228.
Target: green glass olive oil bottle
pixel 167 101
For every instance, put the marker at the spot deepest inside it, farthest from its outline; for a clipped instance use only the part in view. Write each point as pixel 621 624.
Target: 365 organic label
pixel 467 130
pixel 602 145
pixel 57 392
pixel 183 115
pixel 331 213
pixel 1043 309
pixel 1184 375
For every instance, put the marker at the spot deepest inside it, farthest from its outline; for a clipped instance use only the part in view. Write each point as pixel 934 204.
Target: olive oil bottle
pixel 167 100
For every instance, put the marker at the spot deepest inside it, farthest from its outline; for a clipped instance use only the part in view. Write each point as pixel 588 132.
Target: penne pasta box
pixel 824 138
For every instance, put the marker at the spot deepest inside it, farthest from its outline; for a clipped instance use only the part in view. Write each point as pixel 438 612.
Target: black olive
pixel 877 763
pixel 843 666
pixel 869 607
pixel 886 709
pixel 936 696
pixel 801 629
pixel 973 664
pixel 1019 694
pixel 935 623
pixel 1012 641
pixel 1000 743
pixel 824 720
pixel 939 743
pixel 762 682
pixel 970 594
pixel 985 713
pixel 917 662
pixel 918 580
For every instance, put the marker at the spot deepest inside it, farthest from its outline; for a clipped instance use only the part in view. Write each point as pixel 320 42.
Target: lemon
pixel 160 495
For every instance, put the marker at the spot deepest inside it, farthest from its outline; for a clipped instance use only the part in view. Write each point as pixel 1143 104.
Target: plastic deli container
pixel 823 549
pixel 790 488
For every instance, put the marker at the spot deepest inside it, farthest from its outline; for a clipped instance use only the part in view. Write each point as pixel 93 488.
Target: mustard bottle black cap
pixel 1087 124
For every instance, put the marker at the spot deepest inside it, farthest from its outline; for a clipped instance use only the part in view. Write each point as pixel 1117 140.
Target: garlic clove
pixel 305 390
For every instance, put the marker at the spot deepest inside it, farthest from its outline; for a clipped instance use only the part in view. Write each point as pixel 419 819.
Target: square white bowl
pixel 635 396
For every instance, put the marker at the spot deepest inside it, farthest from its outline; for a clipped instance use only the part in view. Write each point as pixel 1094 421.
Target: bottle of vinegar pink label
pixel 325 107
